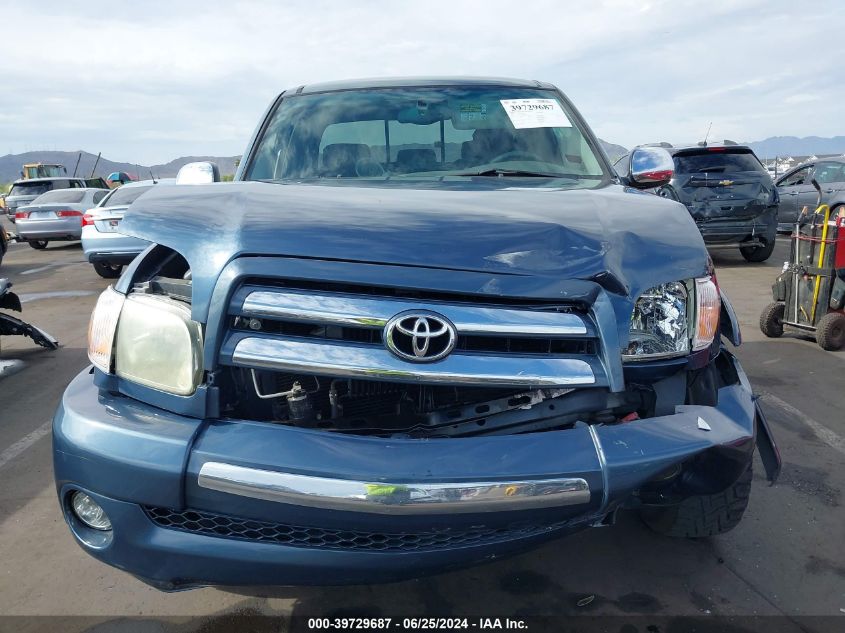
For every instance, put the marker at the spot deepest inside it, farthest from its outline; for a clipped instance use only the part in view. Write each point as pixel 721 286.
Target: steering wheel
pixel 517 155
pixel 367 168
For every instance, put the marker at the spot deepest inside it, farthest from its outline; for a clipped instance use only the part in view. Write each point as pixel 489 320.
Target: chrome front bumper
pixel 393 498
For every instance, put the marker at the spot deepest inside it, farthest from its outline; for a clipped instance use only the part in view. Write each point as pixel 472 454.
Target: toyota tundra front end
pixel 427 325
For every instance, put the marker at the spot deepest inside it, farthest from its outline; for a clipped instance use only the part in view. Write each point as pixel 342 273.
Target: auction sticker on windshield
pixel 527 113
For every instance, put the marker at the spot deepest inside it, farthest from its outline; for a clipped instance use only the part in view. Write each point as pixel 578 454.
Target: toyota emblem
pixel 420 336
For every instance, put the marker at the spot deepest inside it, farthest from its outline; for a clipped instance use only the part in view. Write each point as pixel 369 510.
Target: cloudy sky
pixel 147 82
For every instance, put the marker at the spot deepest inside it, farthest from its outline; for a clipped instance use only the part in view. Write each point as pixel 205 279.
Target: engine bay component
pixel 367 407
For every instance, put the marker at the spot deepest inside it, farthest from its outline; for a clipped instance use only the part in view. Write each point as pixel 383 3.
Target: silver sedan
pixel 55 215
pixel 104 246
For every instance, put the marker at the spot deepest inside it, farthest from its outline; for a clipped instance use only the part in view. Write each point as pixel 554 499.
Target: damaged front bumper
pixel 234 502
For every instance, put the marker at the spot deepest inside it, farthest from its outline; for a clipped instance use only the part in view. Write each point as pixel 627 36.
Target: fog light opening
pixel 89 512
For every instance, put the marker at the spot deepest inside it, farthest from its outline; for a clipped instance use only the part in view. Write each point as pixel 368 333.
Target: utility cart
pixel 809 295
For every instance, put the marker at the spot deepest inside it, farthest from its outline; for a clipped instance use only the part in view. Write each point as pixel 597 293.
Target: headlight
pixel 148 339
pixel 158 345
pixel 673 319
pixel 659 323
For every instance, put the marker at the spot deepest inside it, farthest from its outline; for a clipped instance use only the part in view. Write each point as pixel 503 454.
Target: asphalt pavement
pixel 787 557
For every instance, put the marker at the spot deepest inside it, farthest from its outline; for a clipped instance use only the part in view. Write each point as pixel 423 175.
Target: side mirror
pixel 650 167
pixel 202 173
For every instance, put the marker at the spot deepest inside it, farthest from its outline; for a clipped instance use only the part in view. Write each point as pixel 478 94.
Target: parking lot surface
pixel 786 558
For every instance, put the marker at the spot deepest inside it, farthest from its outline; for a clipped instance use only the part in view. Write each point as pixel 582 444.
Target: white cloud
pixel 165 79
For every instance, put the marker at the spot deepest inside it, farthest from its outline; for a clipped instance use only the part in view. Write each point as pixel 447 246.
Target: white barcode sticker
pixel 528 113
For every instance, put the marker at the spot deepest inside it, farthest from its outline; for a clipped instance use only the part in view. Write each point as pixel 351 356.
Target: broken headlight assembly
pixel 673 319
pixel 147 339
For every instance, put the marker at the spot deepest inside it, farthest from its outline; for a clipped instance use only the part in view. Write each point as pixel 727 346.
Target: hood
pixel 636 239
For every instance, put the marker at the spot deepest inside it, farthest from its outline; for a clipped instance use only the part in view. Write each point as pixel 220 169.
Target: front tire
pixel 38 245
pixel 703 515
pixel 771 320
pixel 108 271
pixel 830 332
pixel 757 254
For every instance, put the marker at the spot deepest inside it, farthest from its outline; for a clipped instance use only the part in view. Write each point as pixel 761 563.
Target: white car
pixel 104 246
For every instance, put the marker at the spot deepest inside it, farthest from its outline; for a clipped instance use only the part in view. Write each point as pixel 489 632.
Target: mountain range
pixel 10 165
pixel 794 146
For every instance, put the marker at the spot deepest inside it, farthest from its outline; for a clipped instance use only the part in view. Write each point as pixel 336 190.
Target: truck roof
pixel 425 81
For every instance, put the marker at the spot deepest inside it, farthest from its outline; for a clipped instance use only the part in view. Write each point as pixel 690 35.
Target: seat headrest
pixel 342 156
pixel 416 158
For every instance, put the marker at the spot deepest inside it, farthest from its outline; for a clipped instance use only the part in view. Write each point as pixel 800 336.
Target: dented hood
pixel 632 239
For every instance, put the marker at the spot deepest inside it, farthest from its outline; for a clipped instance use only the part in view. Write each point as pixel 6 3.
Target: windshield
pixel 124 196
pixel 60 195
pixel 718 160
pixel 30 188
pixel 424 133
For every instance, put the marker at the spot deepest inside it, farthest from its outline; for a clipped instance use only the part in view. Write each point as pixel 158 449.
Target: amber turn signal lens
pixel 708 305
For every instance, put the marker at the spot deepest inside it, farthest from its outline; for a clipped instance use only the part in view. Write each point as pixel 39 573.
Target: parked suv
pixel 729 194
pixel 426 326
pixel 25 191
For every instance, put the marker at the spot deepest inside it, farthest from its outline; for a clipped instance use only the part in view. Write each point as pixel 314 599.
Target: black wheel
pixel 771 320
pixel 705 515
pixel 39 245
pixel 758 254
pixel 830 332
pixel 108 271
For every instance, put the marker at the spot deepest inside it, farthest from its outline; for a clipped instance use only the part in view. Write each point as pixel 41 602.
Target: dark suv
pixel 427 325
pixel 729 194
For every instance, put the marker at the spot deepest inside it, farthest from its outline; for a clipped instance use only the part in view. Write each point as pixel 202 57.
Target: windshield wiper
pixel 498 171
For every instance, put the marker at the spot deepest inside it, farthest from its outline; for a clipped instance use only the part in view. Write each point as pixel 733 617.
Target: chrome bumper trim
pixel 376 363
pixel 392 498
pixel 373 312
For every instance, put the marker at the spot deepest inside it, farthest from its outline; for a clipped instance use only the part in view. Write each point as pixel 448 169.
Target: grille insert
pixel 225 526
pixel 467 343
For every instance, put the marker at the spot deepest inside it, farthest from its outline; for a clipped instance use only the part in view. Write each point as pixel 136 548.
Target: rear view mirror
pixel 650 167
pixel 201 173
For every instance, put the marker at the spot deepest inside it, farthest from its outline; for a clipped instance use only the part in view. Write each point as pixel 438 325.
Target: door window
pixel 800 177
pixel 827 173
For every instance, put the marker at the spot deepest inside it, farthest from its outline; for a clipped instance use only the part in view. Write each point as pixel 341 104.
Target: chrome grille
pixel 341 335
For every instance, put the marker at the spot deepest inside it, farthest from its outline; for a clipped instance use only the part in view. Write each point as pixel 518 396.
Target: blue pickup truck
pixel 426 325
